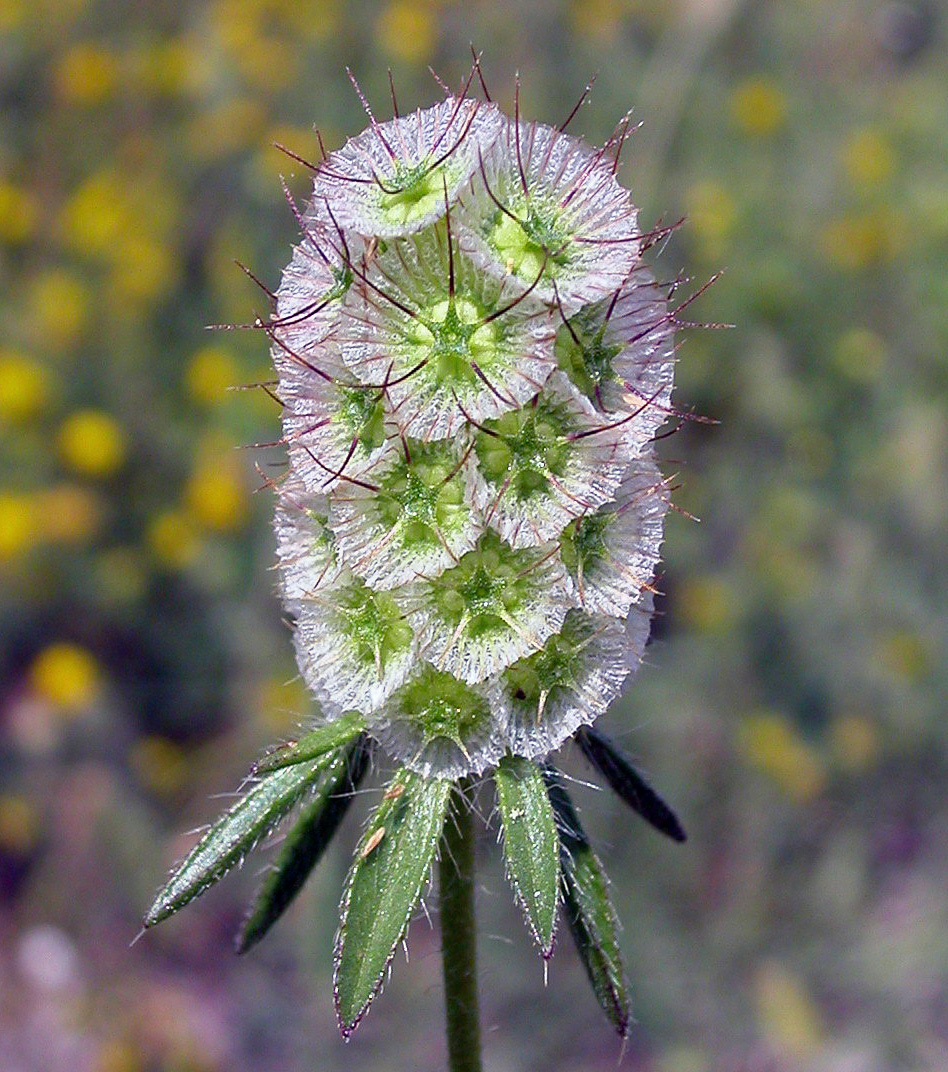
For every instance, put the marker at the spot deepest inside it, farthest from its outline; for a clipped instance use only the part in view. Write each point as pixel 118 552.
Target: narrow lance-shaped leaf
pixel 313 745
pixel 306 842
pixel 393 861
pixel 589 912
pixel 626 782
pixel 233 835
pixel 531 845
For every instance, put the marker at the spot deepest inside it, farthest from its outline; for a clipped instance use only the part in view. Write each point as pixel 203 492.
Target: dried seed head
pixel 474 362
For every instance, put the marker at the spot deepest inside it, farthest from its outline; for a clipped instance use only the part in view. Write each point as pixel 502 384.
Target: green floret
pixel 583 354
pixel 437 705
pixel 531 682
pixel 362 415
pixel 526 447
pixel 486 588
pixel 413 192
pixel 451 337
pixel 424 495
pixel 584 540
pixel 536 238
pixel 372 624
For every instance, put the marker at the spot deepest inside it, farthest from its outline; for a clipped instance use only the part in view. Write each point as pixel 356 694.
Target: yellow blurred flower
pixel 860 354
pixel 283 704
pixel 87 74
pixel 95 216
pixel 24 387
pixel 788 1017
pixel 161 764
pixel 173 66
pixel 17 525
pixel 236 124
pixel 216 496
pixel 868 158
pixel 143 269
pixel 864 240
pixel 12 14
pixel 758 108
pixel 407 30
pixel 712 213
pixel 59 303
pixel 173 539
pixel 905 654
pixel 18 213
pixel 66 675
pixel 707 604
pixel 599 20
pixel 210 373
pixel 19 824
pixel 269 63
pixel 92 443
pixel 855 742
pixel 67 514
pixel 770 743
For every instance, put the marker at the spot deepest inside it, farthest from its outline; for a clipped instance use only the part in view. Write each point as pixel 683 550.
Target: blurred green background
pixel 792 706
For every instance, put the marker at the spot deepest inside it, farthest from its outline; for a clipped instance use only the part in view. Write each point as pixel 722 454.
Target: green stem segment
pixel 458 935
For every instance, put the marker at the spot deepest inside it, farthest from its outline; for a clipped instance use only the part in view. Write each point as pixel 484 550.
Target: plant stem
pixel 459 936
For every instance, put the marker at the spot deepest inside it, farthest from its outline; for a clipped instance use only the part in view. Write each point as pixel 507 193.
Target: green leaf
pixel 306 842
pixel 325 739
pixel 234 835
pixel 531 845
pixel 589 912
pixel 383 887
pixel 626 782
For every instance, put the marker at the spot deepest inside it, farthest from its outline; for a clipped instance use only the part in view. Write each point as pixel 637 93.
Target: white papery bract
pixel 544 204
pixel 390 179
pixel 474 362
pixel 412 520
pixel 567 684
pixel 611 554
pixel 447 354
pixel 619 352
pixel 534 470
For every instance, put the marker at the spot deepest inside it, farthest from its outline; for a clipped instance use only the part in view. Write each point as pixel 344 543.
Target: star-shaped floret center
pixel 372 623
pixel 526 448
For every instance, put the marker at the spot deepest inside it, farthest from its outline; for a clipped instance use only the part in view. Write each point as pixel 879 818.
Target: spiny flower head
pixel 473 362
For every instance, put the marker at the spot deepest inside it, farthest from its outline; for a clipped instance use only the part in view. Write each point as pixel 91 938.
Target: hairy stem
pixel 458 935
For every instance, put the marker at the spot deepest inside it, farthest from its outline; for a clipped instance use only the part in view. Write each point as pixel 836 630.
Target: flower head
pixel 473 363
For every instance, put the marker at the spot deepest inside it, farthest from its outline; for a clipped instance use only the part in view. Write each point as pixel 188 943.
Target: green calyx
pixel 438 706
pixel 531 681
pixel 584 355
pixel 532 242
pixel 525 448
pixel 412 192
pixel 324 538
pixel 423 493
pixel 362 415
pixel 584 540
pixel 372 624
pixel 486 588
pixel 451 337
pixel 342 280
